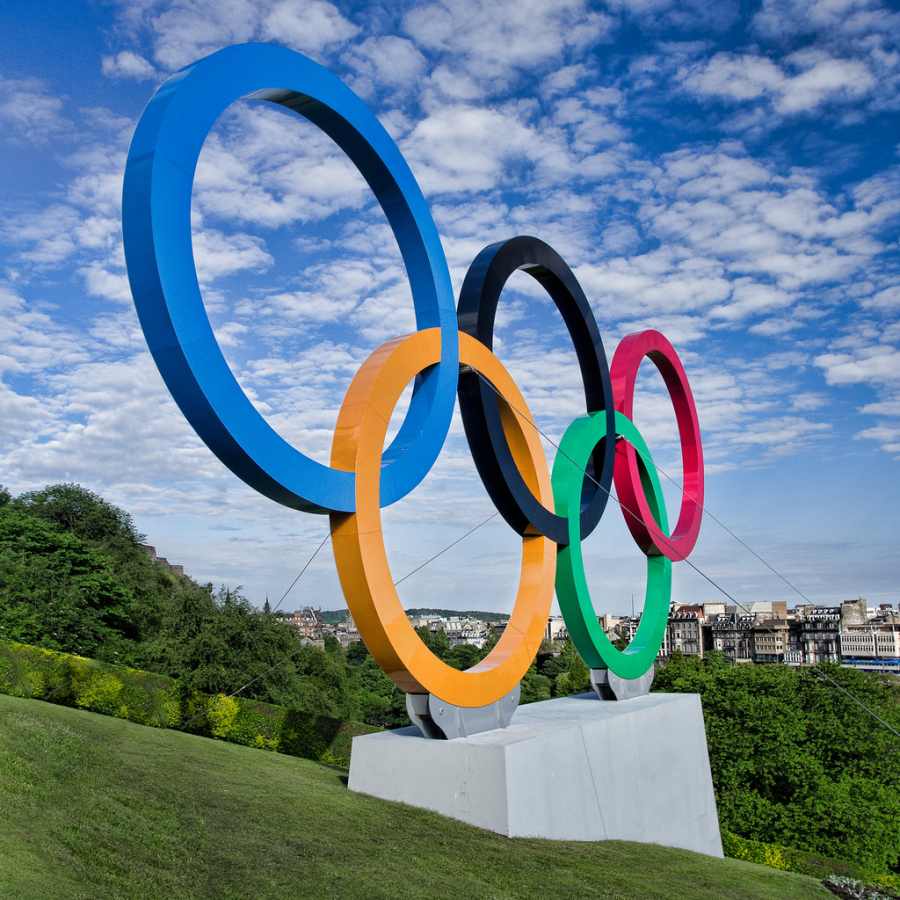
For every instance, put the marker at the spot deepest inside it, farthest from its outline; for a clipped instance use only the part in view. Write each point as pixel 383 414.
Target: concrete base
pixel 575 768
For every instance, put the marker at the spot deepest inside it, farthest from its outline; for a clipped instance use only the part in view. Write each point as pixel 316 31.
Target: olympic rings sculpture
pixel 450 354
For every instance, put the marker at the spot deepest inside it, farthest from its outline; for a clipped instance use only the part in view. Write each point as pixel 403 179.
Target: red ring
pixel 623 372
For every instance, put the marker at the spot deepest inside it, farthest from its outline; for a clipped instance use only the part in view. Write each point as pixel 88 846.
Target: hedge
pixel 801 861
pixel 156 700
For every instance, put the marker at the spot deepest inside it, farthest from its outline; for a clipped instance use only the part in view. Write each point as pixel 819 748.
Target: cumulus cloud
pixel 749 77
pixel 31 113
pixel 872 364
pixel 456 149
pixel 128 64
pixel 268 169
pixel 186 30
pixel 490 42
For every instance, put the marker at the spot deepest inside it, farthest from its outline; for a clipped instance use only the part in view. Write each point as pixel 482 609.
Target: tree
pixel 463 656
pixel 535 687
pixel 795 761
pixel 491 642
pixel 579 676
pixel 58 592
pixel 357 653
pixel 382 703
pixel 80 511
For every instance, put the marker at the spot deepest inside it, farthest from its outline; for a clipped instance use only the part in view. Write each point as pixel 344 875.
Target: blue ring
pixel 156 223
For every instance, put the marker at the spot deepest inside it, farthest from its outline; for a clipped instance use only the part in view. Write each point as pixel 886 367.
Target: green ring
pixel 589 639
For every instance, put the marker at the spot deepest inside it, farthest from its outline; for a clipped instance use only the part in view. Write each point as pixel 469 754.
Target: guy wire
pixel 718 587
pixel 305 567
pixel 280 662
pixel 625 510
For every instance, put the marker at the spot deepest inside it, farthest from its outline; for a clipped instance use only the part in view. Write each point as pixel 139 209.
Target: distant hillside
pixel 335 616
pixel 100 808
pixel 447 613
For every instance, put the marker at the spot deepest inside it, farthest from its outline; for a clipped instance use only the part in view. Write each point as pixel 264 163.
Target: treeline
pixel 74 578
pixel 795 760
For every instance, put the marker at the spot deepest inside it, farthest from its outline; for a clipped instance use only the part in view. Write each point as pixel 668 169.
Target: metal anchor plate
pixel 444 721
pixel 610 686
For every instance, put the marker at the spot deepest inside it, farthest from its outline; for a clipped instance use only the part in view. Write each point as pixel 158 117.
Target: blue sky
pixel 725 173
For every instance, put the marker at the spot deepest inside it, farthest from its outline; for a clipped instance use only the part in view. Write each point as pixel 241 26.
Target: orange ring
pixel 359 546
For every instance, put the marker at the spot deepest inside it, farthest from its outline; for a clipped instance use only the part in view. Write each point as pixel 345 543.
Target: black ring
pixel 479 404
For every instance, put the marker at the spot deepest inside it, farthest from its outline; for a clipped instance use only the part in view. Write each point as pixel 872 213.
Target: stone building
pixel 307 622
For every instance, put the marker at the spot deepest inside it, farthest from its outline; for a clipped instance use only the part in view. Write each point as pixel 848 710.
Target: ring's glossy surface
pixel 157 230
pixel 478 404
pixel 641 521
pixel 572 590
pixel 359 545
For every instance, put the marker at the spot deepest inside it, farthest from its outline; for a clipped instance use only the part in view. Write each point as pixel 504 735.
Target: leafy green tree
pixel 579 676
pixel 382 703
pixel 795 761
pixel 79 511
pixel 440 644
pixel 357 653
pixel 58 592
pixel 554 666
pixel 463 656
pixel 535 687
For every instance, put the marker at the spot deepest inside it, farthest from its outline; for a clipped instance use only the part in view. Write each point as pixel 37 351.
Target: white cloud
pixel 186 30
pixel 47 233
pixel 386 64
pixel 491 41
pixel 777 19
pixel 30 112
pixel 128 64
pixel 306 25
pixel 268 169
pixel 456 149
pixel 878 365
pixel 743 77
pixel 886 435
pixel 217 254
pixel 33 341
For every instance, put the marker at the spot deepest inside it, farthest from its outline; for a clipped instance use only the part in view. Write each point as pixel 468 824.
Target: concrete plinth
pixel 575 768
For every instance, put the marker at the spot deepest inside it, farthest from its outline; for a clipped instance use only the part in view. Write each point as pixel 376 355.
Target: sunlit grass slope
pixel 94 807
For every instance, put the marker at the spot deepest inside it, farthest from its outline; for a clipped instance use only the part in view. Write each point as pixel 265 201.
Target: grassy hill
pixel 95 808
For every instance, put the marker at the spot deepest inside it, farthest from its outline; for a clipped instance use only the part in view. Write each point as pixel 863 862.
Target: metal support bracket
pixel 610 686
pixel 444 721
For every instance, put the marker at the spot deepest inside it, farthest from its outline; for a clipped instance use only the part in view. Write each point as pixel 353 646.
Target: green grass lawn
pixel 94 808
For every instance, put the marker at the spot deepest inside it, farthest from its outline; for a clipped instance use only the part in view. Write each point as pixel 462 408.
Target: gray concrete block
pixel 575 768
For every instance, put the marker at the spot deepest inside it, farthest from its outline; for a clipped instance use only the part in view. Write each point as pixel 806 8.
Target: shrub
pixel 149 699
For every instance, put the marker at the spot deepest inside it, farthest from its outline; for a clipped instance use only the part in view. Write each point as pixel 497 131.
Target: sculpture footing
pixel 610 686
pixel 438 720
pixel 573 768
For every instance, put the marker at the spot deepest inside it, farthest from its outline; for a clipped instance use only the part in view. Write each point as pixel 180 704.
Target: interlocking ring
pixel 572 590
pixel 478 404
pixel 359 547
pixel 553 516
pixel 156 220
pixel 629 354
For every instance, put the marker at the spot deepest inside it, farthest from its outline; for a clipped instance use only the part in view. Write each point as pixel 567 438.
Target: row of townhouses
pixel 853 634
